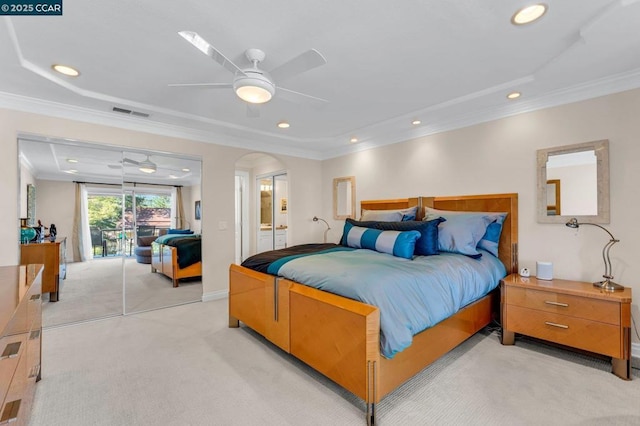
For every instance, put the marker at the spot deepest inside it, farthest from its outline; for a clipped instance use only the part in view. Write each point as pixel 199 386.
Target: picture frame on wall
pixel 283 205
pixel 197 210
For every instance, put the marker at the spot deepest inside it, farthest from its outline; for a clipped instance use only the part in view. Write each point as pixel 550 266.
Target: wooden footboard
pixel 164 259
pixel 340 337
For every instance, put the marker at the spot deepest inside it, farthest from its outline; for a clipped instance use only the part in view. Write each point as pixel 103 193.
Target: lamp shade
pixel 254 88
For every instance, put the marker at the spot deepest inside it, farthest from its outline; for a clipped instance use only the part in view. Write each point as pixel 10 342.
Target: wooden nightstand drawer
pixel 565 304
pixel 567 330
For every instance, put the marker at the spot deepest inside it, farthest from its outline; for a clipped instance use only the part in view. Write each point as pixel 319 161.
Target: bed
pixel 340 337
pixel 177 256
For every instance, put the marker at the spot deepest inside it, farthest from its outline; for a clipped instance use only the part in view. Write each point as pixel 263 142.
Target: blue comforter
pixel 412 295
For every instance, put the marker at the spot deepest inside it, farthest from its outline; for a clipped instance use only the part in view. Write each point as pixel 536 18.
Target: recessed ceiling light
pixel 186 170
pixel 173 176
pixel 284 125
pixel 514 95
pixel 71 160
pixel 529 14
pixel 353 140
pixel 71 171
pixel 416 122
pixel 66 70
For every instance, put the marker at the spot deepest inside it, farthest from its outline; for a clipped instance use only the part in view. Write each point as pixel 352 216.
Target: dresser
pixel 20 340
pixel 53 255
pixel 570 313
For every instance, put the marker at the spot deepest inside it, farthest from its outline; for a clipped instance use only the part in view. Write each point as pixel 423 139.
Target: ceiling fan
pixel 145 166
pixel 252 84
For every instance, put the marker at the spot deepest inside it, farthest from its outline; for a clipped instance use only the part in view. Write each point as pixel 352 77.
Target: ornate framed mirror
pixel 573 181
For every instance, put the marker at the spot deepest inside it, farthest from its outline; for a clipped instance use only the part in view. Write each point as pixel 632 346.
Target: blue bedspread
pixel 412 295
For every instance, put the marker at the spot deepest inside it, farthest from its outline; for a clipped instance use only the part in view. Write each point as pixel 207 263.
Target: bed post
pixel 372 392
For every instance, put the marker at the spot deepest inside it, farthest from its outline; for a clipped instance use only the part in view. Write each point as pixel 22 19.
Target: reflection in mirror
pixel 553 197
pixel 573 181
pixel 266 203
pixel 344 197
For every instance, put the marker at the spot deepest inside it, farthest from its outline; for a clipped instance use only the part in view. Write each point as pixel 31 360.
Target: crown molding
pixel 385 133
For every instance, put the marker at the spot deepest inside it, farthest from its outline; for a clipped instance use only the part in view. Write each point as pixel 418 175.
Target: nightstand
pixel 571 313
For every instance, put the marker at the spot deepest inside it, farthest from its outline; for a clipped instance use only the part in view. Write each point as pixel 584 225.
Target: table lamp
pixel 315 219
pixel 607 283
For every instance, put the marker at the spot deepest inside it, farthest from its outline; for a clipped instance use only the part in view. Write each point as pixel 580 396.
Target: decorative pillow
pixel 491 237
pixel 179 231
pixel 426 245
pixel 390 215
pixel 400 244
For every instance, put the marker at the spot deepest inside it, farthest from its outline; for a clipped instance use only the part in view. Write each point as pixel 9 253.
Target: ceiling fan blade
pixel 203 85
pixel 297 97
pixel 253 111
pixel 206 48
pixel 130 161
pixel 301 63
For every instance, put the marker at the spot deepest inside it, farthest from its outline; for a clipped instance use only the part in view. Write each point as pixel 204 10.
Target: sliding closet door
pixel 152 207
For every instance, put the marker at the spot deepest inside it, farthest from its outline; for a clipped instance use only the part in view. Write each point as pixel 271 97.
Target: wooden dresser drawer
pixel 11 349
pixel 580 307
pixel 567 330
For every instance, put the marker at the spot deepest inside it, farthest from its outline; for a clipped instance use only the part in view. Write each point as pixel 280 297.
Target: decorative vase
pixel 27 233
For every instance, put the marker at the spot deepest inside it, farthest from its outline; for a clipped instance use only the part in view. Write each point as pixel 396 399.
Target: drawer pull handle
pixel 35 297
pixel 553 324
pixel 564 305
pixel 11 350
pixel 34 371
pixel 10 412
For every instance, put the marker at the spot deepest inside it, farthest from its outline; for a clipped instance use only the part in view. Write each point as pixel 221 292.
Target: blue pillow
pixel 461 233
pixel 399 244
pixel 179 231
pixel 426 245
pixel 491 237
pixel 390 215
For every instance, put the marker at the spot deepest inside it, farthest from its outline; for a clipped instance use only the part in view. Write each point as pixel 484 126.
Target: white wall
pixel 218 164
pixel 500 157
pixel 55 203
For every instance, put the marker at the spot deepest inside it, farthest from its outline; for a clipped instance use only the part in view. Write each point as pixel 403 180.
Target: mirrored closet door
pixel 162 224
pixel 107 206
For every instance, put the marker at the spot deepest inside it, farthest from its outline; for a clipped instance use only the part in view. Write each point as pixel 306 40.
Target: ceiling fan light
pixel 254 88
pixel 147 166
pixel 147 169
pixel 529 14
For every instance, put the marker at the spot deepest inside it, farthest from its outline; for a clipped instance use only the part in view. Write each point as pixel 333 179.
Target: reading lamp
pixel 606 284
pixel 315 219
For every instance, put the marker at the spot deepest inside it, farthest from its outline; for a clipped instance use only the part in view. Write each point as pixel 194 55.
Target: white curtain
pixel 178 221
pixel 81 233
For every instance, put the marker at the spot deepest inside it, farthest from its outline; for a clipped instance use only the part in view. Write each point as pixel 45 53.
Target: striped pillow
pixel 396 243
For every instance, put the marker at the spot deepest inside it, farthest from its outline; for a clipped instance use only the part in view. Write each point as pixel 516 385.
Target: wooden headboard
pixel 508 246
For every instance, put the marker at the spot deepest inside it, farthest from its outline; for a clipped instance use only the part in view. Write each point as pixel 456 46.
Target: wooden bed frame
pixel 164 259
pixel 340 337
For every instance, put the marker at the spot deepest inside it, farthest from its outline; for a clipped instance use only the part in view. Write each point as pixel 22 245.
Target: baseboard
pixel 217 295
pixel 635 355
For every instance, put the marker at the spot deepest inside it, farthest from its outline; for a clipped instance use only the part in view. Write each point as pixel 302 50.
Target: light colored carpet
pixel 183 366
pixel 93 289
